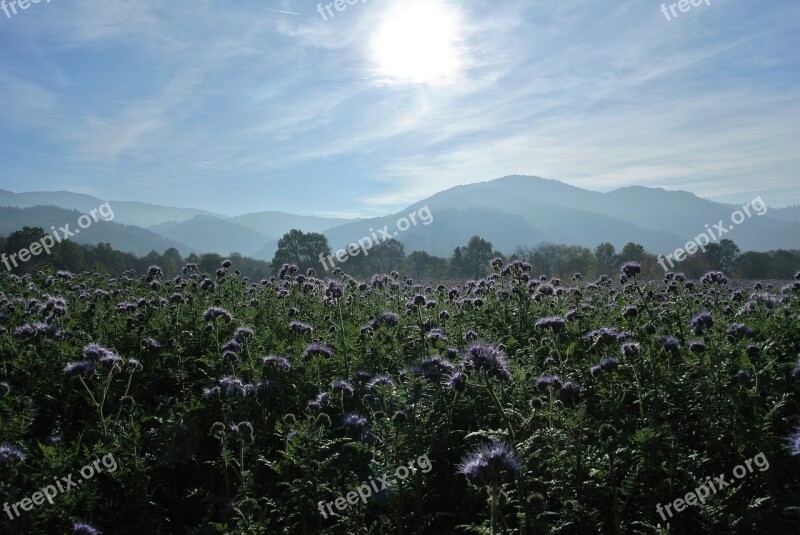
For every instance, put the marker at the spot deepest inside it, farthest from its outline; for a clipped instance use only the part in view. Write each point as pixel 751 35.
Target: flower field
pixel 543 406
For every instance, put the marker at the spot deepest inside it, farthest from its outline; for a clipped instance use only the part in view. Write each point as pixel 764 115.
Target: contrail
pixel 279 11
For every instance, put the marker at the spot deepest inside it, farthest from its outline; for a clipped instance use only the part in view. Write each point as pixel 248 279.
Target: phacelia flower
pixel 487 358
pixel 490 464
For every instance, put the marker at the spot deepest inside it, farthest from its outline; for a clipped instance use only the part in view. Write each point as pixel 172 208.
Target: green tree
pixel 302 249
pixel 722 255
pixel 605 257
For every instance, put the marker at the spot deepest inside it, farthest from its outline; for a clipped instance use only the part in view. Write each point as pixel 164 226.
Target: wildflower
pixel 569 391
pixel 277 363
pixel 81 367
pixel 554 323
pixel 343 387
pixel 381 380
pixel 697 346
pixel 243 333
pixel 84 529
pixel 216 312
pixel 434 367
pixel 154 271
pixel 152 345
pixel 9 454
pixel 606 365
pixel 702 322
pixel 300 328
pixel 317 349
pixel 437 335
pixel 489 464
pixel 334 290
pixel 794 442
pixel 630 350
pixel 488 359
pixel 231 345
pixel 457 381
pixel 752 350
pixel 670 344
pixel 742 376
pixel 602 336
pixel 714 277
pixel 356 425
pixel 630 312
pixel 631 269
pixel 5 388
pixel 545 381
pixel 320 401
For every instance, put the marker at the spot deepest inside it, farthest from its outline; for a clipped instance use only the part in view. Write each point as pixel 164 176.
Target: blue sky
pixel 234 106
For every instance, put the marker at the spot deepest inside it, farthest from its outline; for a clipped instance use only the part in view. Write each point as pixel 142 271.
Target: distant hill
pixel 511 211
pixel 279 223
pixel 209 234
pixel 125 238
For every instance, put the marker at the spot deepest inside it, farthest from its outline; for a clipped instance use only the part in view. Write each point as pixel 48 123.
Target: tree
pixel 722 255
pixel 387 256
pixel 753 265
pixel 302 249
pixel 606 259
pixel 632 252
pixel 422 266
pixel 477 257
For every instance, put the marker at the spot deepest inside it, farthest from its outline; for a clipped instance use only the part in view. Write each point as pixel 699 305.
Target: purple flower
pixel 342 387
pixel 547 380
pixel 630 350
pixel 671 344
pixel 10 454
pixel 794 442
pixel 81 367
pixel 554 323
pixel 697 346
pixel 381 380
pixel 457 381
pixel 631 269
pixel 216 312
pixel 435 367
pixel 490 464
pixel 278 363
pixel 606 365
pixel 300 328
pixel 84 529
pixel 702 322
pixel 317 349
pixel 569 391
pixel 487 358
pixel 386 318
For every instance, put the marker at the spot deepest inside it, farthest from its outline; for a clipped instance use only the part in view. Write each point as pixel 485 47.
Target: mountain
pixel 210 234
pixel 126 238
pixel 279 223
pixel 511 211
pixel 555 212
pixel 126 212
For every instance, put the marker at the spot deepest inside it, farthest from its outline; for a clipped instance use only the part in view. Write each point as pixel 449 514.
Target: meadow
pixel 233 406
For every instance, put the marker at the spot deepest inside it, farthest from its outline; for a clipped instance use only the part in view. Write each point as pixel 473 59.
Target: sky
pixel 251 105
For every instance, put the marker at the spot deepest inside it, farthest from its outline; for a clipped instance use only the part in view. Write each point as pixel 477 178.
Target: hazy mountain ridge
pixel 510 211
pixel 125 238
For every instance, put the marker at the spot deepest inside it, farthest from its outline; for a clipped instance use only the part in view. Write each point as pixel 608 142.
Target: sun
pixel 418 42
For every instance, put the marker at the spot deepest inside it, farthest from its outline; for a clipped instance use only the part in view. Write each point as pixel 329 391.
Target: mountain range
pixel 509 212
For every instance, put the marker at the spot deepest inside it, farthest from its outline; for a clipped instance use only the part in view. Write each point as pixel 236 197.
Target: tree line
pixel 470 261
